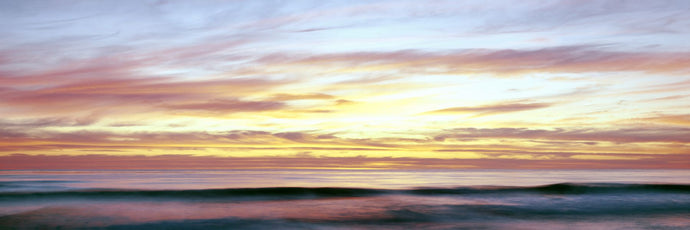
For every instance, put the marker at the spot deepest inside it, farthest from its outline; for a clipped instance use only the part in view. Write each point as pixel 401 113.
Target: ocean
pixel 345 199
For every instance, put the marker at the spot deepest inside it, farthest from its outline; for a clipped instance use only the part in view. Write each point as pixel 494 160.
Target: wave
pixel 330 192
pixel 258 193
pixel 595 206
pixel 563 189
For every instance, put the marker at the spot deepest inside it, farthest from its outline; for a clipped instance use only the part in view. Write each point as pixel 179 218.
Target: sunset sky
pixel 344 84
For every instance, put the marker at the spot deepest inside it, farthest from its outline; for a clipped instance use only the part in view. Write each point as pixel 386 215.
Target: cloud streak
pixel 564 59
pixel 142 95
pixel 492 109
pixel 622 135
pixel 20 161
pixel 462 143
pixel 229 106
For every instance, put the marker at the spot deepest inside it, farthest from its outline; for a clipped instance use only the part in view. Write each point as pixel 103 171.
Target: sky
pixel 344 84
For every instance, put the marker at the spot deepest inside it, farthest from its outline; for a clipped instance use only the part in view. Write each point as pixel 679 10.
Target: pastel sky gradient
pixel 344 84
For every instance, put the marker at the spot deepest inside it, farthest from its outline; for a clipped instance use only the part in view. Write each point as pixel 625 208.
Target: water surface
pixel 346 199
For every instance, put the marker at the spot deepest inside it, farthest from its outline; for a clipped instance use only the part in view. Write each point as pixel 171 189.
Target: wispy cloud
pixel 465 143
pixel 564 59
pixel 573 14
pixel 289 97
pixel 492 109
pixel 50 122
pixel 678 119
pixel 22 140
pixel 20 161
pixel 622 135
pixel 142 95
pixel 229 106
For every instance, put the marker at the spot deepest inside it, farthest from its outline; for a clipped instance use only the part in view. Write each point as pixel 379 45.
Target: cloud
pixel 620 135
pixel 343 102
pixel 235 140
pixel 326 136
pixel 229 106
pixel 679 119
pixel 293 136
pixel 16 140
pixel 49 122
pixel 12 135
pixel 154 94
pixel 621 17
pixel 289 97
pixel 677 86
pixel 562 59
pixel 23 161
pixel 674 97
pixel 492 109
pixel 49 75
pixel 493 146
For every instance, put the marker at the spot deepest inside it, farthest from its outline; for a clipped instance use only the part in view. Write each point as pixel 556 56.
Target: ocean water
pixel 345 199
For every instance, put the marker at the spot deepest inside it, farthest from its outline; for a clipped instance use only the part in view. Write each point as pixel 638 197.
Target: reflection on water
pixel 384 179
pixel 380 212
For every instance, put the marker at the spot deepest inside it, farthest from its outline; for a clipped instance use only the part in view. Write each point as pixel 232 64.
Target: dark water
pixel 582 199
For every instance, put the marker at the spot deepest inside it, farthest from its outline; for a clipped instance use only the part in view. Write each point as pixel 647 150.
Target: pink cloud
pixel 155 94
